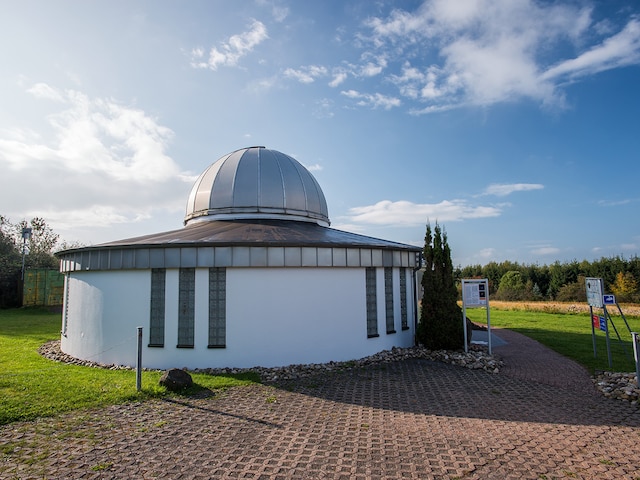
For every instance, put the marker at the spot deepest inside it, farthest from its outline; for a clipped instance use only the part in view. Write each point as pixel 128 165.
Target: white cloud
pixel 487 253
pixel 100 135
pixel 231 51
pixel 489 51
pixel 619 50
pixel 504 189
pixel 279 12
pixel 374 100
pixel 91 216
pixel 615 203
pixel 630 247
pixel 407 213
pixel 101 163
pixel 316 167
pixel 372 68
pixel 338 78
pixel 307 74
pixel 323 108
pixel 545 250
pixel 42 90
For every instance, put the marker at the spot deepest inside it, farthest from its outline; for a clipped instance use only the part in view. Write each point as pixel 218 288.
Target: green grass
pixel 32 386
pixel 568 334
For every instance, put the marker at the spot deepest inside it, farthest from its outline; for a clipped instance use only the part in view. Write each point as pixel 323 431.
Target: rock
pixel 620 386
pixel 176 380
pixel 470 328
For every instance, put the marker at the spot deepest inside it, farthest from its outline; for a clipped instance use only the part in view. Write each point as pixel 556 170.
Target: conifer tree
pixel 440 325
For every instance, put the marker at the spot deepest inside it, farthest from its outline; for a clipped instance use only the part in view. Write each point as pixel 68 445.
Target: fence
pixel 43 288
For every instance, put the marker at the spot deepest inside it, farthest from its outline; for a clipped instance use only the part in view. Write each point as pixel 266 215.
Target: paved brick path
pixel 539 419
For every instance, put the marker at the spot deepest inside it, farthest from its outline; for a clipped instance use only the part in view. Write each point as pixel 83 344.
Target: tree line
pixel 563 282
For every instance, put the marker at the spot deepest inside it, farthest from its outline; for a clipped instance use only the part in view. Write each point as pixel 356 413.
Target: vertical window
pixel 388 299
pixel 156 316
pixel 186 307
pixel 65 317
pixel 372 302
pixel 217 307
pixel 404 320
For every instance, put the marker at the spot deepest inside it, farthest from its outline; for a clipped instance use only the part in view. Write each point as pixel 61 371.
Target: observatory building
pixel 256 277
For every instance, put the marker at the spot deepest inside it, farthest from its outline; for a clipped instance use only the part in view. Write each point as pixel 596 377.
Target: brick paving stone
pixel 539 418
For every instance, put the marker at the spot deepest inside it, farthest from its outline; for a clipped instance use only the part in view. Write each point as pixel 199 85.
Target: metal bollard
pixel 636 356
pixel 139 362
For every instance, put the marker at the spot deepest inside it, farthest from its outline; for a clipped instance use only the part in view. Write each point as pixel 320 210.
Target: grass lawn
pixel 32 386
pixel 568 334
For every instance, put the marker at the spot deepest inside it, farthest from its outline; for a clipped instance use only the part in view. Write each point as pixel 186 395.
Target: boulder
pixel 176 380
pixel 470 325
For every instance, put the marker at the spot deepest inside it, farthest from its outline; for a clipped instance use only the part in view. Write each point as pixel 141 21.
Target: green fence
pixel 43 288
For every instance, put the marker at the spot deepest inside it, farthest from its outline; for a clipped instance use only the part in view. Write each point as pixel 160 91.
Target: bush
pixel 573 292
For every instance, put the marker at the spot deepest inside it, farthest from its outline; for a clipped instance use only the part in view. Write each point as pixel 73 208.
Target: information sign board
pixel 474 293
pixel 609 299
pixel 594 292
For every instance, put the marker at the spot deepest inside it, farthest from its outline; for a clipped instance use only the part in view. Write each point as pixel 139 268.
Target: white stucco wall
pixel 101 312
pixel 274 316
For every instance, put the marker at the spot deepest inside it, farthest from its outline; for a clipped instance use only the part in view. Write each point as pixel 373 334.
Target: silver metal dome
pixel 256 182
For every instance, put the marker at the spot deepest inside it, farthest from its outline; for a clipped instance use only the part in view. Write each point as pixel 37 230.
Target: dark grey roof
pixel 257 182
pixel 256 233
pixel 246 243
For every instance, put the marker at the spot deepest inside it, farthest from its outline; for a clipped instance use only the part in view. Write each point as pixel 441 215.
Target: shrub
pixel 440 325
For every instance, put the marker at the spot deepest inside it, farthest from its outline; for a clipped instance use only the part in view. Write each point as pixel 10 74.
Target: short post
pixel 139 362
pixel 606 322
pixel 464 326
pixel 636 355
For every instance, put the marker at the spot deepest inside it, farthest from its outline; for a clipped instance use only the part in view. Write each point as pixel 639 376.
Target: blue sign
pixel 603 324
pixel 609 299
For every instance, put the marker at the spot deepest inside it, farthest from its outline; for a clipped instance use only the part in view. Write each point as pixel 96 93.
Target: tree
pixel 512 287
pixel 625 287
pixel 10 265
pixel 39 248
pixel 40 245
pixel 440 325
pixel 573 292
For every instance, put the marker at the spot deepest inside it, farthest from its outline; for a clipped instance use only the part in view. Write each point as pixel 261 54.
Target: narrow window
pixel 404 320
pixel 388 299
pixel 217 308
pixel 156 316
pixel 372 302
pixel 186 307
pixel 65 318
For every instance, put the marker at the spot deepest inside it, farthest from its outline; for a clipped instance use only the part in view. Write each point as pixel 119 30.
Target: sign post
pixel 596 299
pixel 475 294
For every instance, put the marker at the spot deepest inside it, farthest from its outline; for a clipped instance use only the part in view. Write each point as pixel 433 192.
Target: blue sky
pixel 512 123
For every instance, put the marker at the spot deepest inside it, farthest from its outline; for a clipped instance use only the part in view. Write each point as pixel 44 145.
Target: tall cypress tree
pixel 440 325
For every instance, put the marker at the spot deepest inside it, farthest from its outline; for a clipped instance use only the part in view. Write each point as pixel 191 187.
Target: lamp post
pixel 26 235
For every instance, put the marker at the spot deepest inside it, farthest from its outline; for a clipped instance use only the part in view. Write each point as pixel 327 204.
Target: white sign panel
pixel 594 292
pixel 475 293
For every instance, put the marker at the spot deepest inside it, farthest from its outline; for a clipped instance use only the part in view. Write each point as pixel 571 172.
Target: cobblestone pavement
pixel 540 418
